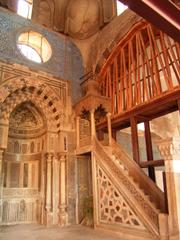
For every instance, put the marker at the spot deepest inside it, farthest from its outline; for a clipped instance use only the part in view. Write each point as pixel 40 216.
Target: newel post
pixel 170 151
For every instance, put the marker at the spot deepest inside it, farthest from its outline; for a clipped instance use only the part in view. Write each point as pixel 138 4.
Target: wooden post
pixel 134 139
pixel 149 149
pixel 109 129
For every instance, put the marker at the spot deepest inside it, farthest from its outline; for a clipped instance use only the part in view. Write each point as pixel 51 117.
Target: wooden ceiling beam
pixel 161 13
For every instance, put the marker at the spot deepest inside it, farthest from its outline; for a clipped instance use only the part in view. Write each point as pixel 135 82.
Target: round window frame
pixel 28 29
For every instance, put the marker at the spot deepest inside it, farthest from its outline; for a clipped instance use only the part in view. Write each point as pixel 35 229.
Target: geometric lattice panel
pixel 113 209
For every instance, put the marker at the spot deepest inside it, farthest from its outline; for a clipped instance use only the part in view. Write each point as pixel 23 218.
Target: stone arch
pixel 42 96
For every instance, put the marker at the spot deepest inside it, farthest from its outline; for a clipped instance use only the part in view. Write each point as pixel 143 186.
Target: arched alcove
pixel 22 164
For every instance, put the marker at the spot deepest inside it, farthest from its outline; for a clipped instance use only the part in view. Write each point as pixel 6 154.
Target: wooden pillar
pixel 149 149
pixel 93 127
pixel 134 139
pixel 48 189
pixel 77 132
pixel 170 151
pixel 63 218
pixel 109 129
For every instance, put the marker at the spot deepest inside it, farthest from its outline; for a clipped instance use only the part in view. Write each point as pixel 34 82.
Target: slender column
pixel 1 161
pixel 93 128
pixel 135 142
pixel 149 149
pixel 48 189
pixel 1 182
pixel 62 206
pixel 55 190
pixel 77 131
pixel 109 129
pixel 170 151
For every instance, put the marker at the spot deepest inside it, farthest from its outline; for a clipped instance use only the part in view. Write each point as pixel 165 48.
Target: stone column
pixel 55 190
pixel 1 161
pixel 93 127
pixel 170 151
pixel 1 182
pixel 109 129
pixel 63 217
pixel 4 128
pixel 48 190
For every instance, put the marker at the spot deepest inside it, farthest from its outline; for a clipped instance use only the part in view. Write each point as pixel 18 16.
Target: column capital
pixel 108 114
pixel 49 157
pixel 169 148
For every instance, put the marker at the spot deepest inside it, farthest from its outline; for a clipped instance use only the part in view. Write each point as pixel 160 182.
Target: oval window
pixel 34 46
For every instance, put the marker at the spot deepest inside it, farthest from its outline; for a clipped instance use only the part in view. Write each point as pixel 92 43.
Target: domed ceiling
pixel 77 18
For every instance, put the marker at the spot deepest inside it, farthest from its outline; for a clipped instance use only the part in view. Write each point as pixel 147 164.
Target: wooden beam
pixel 134 140
pixel 156 108
pixel 149 149
pixel 154 163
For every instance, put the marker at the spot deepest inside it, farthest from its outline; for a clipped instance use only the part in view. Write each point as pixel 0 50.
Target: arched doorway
pixel 22 193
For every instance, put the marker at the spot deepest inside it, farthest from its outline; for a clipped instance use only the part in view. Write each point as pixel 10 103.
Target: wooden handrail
pixel 148 186
pixel 137 197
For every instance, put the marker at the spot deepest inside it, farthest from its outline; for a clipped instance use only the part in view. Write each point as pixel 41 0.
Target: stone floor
pixel 36 232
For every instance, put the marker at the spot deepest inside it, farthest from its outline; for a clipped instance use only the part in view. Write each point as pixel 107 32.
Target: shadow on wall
pixel 66 60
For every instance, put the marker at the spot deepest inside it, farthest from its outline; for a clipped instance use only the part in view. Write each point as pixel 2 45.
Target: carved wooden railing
pixel 144 66
pixel 129 189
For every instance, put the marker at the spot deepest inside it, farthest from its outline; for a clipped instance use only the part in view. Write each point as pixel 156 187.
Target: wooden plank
pixel 134 140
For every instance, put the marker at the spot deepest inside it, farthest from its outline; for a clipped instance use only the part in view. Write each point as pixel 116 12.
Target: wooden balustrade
pixel 144 66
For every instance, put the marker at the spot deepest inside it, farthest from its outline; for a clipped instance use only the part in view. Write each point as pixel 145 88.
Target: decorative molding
pixel 169 148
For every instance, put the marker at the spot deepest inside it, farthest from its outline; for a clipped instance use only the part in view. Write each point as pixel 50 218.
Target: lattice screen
pixel 113 209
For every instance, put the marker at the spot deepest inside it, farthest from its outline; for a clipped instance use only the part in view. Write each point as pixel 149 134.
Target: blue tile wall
pixel 66 60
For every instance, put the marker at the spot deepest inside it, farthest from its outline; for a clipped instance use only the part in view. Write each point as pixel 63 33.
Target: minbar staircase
pixel 125 199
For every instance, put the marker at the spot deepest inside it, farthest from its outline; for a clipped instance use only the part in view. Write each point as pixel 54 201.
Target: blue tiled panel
pixel 66 60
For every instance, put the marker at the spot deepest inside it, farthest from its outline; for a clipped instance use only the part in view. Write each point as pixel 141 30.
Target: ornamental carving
pixel 23 118
pixel 113 208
